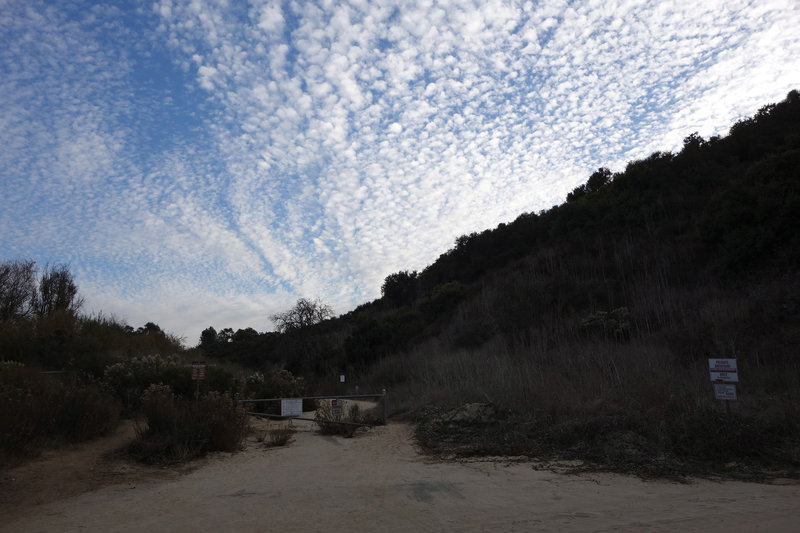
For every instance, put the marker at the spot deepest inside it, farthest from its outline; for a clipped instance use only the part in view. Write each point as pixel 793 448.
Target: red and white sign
pixel 198 370
pixel 723 370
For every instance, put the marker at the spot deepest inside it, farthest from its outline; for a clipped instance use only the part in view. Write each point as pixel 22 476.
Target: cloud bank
pixel 207 163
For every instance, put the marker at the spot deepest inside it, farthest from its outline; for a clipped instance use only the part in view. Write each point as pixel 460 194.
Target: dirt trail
pixel 378 482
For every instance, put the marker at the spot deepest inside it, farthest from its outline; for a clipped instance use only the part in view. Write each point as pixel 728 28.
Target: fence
pixel 381 396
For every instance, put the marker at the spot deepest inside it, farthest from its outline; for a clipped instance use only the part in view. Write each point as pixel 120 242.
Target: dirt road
pixel 378 482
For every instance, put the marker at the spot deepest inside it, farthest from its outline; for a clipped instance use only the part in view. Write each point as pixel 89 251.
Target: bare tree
pixel 304 313
pixel 57 291
pixel 17 288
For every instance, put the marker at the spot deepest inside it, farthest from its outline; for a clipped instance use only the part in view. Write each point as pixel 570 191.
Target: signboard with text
pixel 723 370
pixel 291 407
pixel 198 370
pixel 724 391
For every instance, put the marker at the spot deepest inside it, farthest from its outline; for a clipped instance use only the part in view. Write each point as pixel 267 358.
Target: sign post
pixel 198 375
pixel 336 407
pixel 724 374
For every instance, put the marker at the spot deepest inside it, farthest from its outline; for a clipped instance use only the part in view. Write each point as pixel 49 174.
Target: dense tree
pixel 399 288
pixel 598 179
pixel 304 313
pixel 150 328
pixel 208 338
pixel 244 335
pixel 225 335
pixel 693 142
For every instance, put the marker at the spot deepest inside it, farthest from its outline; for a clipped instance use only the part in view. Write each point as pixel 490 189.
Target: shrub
pixel 279 384
pixel 177 429
pixel 38 410
pixel 280 436
pixel 345 422
pixel 127 380
pixel 130 378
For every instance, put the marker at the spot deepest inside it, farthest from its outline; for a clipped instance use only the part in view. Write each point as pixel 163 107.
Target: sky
pixel 207 163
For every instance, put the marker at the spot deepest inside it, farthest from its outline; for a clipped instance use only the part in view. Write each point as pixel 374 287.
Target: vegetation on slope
pixel 585 329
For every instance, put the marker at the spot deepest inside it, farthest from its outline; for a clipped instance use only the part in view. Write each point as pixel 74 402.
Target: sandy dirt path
pixel 378 482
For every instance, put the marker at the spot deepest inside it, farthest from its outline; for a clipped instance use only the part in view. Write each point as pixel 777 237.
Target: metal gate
pixel 381 396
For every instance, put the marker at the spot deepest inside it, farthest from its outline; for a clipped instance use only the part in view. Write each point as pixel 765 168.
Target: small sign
pixel 341 378
pixel 291 407
pixel 724 391
pixel 336 405
pixel 198 370
pixel 723 370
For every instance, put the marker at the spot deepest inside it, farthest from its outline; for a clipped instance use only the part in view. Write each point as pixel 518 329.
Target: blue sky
pixel 207 163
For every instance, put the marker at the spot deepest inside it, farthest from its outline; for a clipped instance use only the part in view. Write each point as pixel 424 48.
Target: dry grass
pixel 642 399
pixel 177 430
pixel 39 411
pixel 275 435
pixel 345 422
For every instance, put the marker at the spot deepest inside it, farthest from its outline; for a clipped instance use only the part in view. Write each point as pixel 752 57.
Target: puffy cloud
pixel 214 161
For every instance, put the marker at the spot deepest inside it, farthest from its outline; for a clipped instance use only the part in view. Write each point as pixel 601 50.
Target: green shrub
pixel 128 379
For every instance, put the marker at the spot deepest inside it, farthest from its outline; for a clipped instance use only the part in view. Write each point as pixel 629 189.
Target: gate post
pixel 383 400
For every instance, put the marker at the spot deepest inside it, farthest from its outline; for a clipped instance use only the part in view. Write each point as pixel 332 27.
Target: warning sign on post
pixel 723 370
pixel 724 391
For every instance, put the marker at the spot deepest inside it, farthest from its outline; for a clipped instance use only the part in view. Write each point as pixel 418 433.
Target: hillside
pixel 582 331
pixel 629 255
pixel 590 324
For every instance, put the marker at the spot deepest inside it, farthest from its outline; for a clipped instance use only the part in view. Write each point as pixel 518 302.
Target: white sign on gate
pixel 291 407
pixel 723 370
pixel 724 391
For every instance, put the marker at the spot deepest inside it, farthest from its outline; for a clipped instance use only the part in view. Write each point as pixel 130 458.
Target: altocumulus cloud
pixel 206 163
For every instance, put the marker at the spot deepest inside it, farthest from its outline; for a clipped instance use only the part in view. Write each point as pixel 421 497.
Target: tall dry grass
pixel 616 346
pixel 176 429
pixel 38 411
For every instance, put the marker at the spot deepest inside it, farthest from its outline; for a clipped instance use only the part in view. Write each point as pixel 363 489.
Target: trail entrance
pixel 292 408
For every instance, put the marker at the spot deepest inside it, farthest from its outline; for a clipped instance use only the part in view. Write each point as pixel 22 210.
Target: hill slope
pixel 588 327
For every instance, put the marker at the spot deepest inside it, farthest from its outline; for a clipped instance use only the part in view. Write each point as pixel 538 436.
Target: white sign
pixel 723 391
pixel 292 407
pixel 341 378
pixel 723 370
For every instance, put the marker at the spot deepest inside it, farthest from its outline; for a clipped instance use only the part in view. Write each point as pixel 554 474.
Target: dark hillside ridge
pixel 737 197
pixel 585 330
pixel 721 211
pixel 720 215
